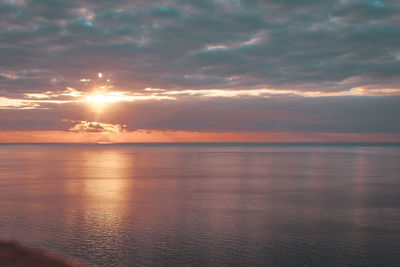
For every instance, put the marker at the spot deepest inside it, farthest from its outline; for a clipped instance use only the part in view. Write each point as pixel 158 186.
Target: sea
pixel 205 204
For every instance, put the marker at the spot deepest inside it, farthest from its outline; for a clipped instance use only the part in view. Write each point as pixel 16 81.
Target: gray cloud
pixel 306 45
pixel 339 114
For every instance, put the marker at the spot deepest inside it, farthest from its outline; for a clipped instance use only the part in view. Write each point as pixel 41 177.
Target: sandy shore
pixel 14 255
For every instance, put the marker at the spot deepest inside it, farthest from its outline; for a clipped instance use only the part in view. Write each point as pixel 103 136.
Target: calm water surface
pixel 204 205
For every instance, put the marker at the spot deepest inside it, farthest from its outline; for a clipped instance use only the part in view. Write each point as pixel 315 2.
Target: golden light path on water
pixel 212 205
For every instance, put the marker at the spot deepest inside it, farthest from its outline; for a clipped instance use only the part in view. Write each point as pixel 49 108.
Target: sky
pixel 210 70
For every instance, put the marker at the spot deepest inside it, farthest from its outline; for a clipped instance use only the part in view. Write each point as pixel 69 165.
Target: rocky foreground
pixel 14 255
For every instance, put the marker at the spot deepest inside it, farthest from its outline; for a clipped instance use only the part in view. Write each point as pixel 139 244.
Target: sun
pixel 102 96
pixel 110 97
pixel 100 99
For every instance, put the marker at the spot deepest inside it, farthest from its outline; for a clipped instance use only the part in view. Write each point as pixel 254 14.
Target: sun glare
pixel 98 102
pixel 110 97
pixel 99 99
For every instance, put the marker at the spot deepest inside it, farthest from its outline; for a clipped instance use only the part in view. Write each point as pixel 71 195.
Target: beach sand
pixel 15 255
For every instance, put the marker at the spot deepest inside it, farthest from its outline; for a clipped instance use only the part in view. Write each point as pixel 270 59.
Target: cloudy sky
pixel 210 70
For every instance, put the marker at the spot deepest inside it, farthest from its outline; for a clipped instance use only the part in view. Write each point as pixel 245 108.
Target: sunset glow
pixel 148 67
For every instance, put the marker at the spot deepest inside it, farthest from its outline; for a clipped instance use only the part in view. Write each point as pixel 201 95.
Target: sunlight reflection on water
pixel 204 205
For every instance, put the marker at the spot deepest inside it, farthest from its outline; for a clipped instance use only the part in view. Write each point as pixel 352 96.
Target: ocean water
pixel 205 205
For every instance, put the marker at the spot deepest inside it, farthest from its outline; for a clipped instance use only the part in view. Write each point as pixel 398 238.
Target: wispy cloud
pixel 103 95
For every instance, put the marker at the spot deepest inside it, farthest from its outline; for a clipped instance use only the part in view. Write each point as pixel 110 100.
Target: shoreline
pixel 14 254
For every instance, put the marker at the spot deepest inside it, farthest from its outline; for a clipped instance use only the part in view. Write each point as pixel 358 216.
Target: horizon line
pixel 316 143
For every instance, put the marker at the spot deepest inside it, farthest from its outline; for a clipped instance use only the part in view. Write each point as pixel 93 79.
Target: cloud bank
pixel 211 65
